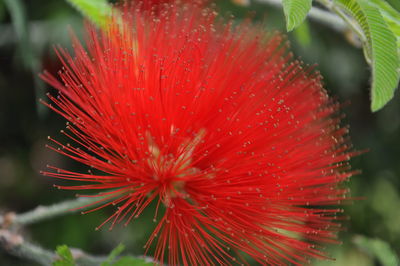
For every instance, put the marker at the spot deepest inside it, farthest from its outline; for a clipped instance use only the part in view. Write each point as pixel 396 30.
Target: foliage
pixel 391 17
pixel 123 261
pixel 379 26
pixel 17 11
pixel 379 48
pixel 98 11
pixel 295 12
pixel 66 258
pixel 379 249
pixel 113 254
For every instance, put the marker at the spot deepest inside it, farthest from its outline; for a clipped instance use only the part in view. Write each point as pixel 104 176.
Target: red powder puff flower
pixel 157 5
pixel 238 144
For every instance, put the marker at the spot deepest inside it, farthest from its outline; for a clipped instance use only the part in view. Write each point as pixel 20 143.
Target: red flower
pixel 156 5
pixel 238 144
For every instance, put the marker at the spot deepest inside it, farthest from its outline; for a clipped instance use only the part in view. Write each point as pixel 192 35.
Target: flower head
pixel 239 144
pixel 157 5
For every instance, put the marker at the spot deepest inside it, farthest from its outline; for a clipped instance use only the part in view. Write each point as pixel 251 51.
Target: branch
pixel 325 17
pixel 41 213
pixel 15 245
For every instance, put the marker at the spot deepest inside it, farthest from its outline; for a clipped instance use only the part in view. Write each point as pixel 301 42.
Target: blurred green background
pixel 25 125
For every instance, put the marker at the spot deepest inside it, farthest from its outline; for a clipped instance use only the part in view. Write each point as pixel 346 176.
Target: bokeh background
pixel 25 125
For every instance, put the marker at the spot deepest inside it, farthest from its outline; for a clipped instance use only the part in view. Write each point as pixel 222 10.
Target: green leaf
pixel 380 49
pixel 385 59
pixel 295 12
pixel 114 253
pixel 378 249
pixel 302 34
pixel 129 260
pixel 395 4
pixel 98 11
pixel 123 261
pixel 19 20
pixel 391 17
pixel 30 59
pixel 66 258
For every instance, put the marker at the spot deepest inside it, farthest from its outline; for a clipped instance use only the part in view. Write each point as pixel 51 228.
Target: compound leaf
pixel 295 12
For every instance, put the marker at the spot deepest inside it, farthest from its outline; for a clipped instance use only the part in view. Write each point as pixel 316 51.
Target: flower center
pixel 172 170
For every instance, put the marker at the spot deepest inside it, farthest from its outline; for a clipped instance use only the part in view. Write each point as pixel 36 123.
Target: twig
pixel 15 245
pixel 41 213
